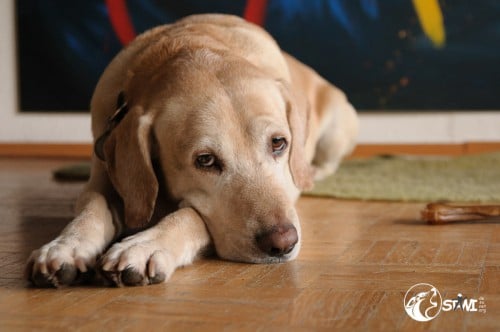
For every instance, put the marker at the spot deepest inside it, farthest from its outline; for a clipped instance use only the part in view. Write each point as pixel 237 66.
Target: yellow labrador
pixel 206 132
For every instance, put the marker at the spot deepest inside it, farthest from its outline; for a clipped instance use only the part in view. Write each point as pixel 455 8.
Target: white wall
pixel 436 127
pixel 29 127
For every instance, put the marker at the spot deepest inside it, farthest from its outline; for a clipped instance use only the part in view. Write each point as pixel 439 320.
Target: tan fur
pixel 206 84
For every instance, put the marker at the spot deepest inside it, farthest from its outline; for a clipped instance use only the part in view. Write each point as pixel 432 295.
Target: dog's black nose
pixel 278 241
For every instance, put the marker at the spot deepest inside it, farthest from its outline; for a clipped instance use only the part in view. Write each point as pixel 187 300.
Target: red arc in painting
pixel 255 12
pixel 120 20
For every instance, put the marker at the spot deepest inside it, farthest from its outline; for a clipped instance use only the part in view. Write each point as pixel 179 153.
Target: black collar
pixel 121 110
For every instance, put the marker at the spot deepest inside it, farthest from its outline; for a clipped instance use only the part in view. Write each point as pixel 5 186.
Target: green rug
pixel 474 178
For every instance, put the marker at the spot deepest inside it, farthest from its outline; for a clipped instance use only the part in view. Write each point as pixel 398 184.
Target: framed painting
pixel 427 70
pixel 388 55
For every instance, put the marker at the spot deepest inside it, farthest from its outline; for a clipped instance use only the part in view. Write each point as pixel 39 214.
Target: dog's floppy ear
pixel 298 120
pixel 126 149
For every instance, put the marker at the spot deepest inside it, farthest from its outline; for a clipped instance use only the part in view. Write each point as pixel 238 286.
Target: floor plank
pixel 358 259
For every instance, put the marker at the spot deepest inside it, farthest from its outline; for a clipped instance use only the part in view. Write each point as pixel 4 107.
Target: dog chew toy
pixel 440 213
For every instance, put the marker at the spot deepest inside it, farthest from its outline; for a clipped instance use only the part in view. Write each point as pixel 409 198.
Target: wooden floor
pixel 358 259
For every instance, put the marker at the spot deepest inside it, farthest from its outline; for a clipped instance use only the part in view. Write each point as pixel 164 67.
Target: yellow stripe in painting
pixel 431 19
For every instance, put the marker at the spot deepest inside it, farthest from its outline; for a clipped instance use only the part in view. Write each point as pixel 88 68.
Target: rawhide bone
pixel 439 213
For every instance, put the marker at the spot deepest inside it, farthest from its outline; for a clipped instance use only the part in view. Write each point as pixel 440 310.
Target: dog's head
pixel 230 142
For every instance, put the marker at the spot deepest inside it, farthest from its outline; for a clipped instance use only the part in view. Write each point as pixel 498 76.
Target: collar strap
pixel 120 112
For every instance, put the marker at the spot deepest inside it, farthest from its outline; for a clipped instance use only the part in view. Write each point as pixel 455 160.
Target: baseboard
pixel 42 150
pixel 82 151
pixel 367 150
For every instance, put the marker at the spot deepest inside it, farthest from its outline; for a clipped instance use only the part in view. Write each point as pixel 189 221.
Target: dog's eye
pixel 207 161
pixel 278 145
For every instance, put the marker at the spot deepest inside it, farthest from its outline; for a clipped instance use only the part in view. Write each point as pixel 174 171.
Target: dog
pixel 205 133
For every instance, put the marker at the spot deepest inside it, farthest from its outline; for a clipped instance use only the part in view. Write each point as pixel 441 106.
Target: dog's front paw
pixel 61 262
pixel 137 261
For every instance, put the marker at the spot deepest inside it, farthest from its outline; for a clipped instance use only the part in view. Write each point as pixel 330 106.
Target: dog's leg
pixel 338 133
pixel 150 257
pixel 68 258
pixel 333 122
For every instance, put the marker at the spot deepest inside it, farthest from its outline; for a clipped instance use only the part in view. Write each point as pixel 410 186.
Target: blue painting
pixel 388 55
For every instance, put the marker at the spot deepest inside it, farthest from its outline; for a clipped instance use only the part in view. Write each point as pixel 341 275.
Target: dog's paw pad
pixel 57 265
pixel 40 279
pixel 111 277
pixel 131 277
pixel 136 263
pixel 66 274
pixel 158 278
